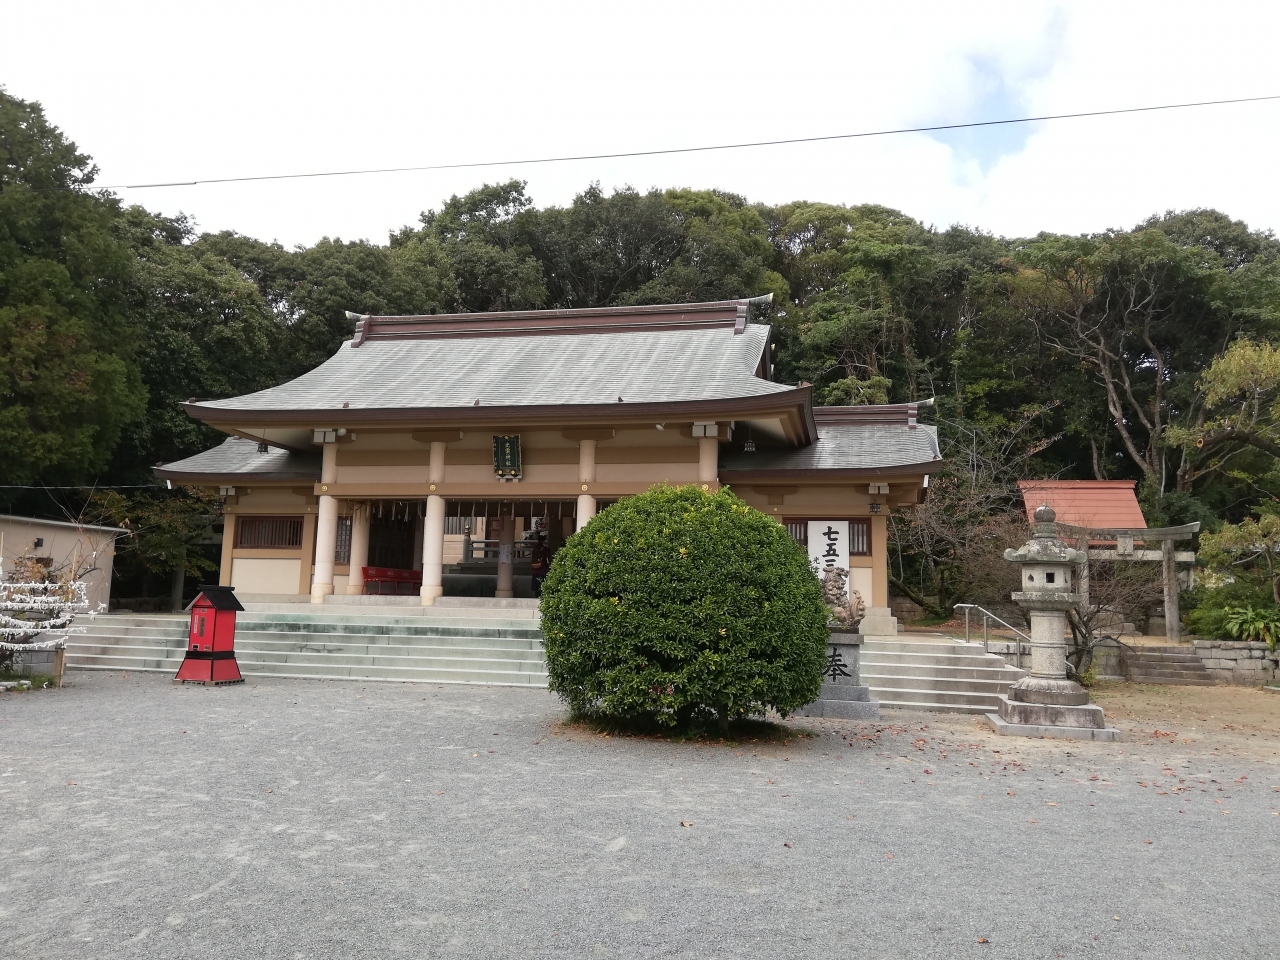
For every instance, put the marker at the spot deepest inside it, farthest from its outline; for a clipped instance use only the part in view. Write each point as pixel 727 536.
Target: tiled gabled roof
pixel 239 459
pixel 1099 504
pixel 864 440
pixel 668 354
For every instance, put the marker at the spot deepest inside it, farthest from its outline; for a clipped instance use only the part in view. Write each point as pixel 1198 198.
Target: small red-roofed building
pixel 1086 503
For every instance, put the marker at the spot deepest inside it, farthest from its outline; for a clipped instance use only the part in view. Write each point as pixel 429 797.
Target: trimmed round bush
pixel 679 607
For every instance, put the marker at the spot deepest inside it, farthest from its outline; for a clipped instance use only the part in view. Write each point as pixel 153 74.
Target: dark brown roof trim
pixel 234 478
pixel 532 322
pixel 902 414
pixel 846 473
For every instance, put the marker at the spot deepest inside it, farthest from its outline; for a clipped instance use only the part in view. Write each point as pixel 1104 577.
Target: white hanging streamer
pixel 60 602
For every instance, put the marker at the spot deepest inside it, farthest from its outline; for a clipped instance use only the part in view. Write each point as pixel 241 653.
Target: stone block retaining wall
pixel 33 663
pixel 1228 661
pixel 1106 658
pixel 1235 661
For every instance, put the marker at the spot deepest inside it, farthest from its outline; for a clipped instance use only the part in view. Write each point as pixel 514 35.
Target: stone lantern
pixel 1046 703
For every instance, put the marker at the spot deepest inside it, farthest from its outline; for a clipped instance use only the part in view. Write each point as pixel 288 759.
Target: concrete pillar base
pixel 879 622
pixel 429 593
pixel 1007 729
pixel 319 591
pixel 1050 691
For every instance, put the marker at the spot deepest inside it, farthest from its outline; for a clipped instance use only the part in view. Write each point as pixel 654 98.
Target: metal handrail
pixel 987 617
pixel 489 549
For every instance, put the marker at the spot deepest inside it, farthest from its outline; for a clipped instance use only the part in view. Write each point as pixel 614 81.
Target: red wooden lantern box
pixel 211 655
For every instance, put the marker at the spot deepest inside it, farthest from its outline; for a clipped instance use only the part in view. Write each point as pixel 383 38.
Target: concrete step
pixel 328 671
pixel 940 646
pixel 375 634
pixel 912 661
pixel 924 694
pixel 1175 665
pixel 290 653
pixel 253 631
pixel 1197 669
pixel 930 706
pixel 460 628
pixel 941 672
pixel 1177 679
pixel 515 648
pixel 350 645
pixel 938 675
pixel 401 654
pixel 877 681
pixel 403 606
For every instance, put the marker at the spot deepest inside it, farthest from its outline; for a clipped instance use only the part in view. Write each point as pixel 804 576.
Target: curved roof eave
pixel 796 402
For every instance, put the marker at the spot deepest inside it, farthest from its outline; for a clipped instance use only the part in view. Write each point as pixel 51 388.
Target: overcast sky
pixel 192 90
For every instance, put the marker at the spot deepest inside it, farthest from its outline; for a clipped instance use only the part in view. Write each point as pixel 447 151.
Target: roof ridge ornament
pixel 363 323
pixel 743 315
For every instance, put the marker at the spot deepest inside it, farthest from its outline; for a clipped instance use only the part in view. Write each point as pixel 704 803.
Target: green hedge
pixel 679 607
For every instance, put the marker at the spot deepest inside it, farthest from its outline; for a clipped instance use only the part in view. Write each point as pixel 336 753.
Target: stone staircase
pixel 935 673
pixel 457 643
pixel 326 644
pixel 1176 665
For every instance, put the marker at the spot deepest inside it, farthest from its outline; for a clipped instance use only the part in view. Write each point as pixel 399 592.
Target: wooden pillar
pixel 228 548
pixel 506 556
pixel 1172 618
pixel 433 551
pixel 879 561
pixel 708 459
pixel 586 477
pixel 326 528
pixel 359 549
pixel 307 554
pixel 433 531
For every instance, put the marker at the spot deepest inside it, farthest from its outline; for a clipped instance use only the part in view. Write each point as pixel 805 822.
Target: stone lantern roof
pixel 1044 545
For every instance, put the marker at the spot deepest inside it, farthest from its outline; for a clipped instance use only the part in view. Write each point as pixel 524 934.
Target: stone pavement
pixel 331 820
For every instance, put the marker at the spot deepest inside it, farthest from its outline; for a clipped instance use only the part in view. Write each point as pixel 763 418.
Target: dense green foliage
pixel 677 606
pixel 67 380
pixel 1254 624
pixel 1089 356
pixel 1207 608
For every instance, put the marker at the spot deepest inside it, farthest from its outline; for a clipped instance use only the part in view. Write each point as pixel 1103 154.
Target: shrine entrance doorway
pixel 490 544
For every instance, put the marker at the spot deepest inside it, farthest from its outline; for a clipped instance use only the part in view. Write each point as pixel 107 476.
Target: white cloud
pixel 167 92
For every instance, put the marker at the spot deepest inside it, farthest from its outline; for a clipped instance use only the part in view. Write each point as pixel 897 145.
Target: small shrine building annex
pixel 431 453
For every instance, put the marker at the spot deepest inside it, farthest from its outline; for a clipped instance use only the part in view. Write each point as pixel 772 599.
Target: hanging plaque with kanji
pixel 506 456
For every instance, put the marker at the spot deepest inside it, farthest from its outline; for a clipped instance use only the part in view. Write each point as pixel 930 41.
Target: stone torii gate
pixel 1124 538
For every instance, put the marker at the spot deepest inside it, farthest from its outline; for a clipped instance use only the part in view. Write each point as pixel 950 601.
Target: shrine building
pixel 429 453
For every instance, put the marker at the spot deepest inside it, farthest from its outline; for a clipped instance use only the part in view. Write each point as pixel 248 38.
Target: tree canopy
pixel 1144 353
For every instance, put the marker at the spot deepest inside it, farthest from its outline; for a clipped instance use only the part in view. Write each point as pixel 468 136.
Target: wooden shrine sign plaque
pixel 506 457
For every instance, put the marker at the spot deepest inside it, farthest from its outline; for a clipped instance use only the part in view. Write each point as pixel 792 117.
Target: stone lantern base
pixel 1040 707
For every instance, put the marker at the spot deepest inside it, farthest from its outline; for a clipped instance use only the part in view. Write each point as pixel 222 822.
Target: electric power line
pixel 675 150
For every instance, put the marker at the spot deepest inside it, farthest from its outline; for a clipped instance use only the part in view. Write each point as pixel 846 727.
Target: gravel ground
pixel 309 819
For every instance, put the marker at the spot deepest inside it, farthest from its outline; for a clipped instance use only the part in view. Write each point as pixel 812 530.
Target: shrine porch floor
pixel 299 818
